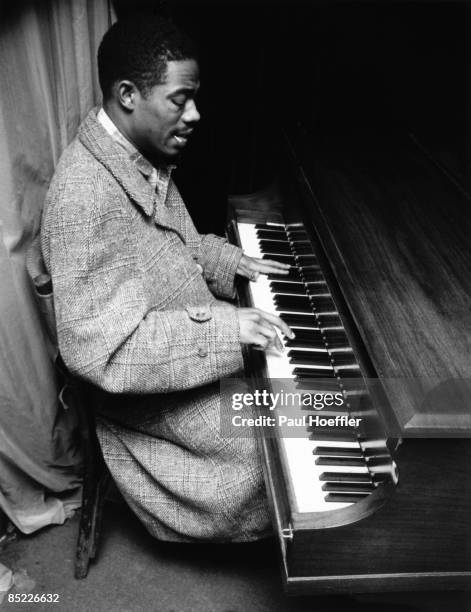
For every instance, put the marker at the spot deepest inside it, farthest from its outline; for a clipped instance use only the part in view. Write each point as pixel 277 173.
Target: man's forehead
pixel 182 74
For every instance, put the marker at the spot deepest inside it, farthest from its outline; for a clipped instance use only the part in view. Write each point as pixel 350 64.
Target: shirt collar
pixel 158 177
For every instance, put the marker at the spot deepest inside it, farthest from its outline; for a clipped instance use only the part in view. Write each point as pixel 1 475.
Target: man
pixel 134 291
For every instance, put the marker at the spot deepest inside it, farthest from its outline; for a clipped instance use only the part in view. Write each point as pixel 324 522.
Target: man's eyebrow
pixel 184 89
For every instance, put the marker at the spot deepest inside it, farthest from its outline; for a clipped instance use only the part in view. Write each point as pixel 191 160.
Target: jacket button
pixel 202 352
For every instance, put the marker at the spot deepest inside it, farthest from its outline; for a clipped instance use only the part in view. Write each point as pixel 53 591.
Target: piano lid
pixel 396 230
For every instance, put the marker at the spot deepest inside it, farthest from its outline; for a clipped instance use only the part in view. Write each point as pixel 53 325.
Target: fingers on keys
pixel 268 266
pixel 268 328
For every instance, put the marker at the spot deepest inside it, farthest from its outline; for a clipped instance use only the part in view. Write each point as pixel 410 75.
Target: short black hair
pixel 138 49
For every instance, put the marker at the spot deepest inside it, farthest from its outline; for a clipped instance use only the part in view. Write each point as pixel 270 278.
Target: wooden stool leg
pixel 86 524
pixel 94 491
pixel 96 479
pixel 102 488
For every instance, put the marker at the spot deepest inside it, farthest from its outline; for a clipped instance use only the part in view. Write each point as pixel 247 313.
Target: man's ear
pixel 126 93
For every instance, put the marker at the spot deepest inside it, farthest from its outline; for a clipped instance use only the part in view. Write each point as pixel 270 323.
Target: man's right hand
pixel 259 328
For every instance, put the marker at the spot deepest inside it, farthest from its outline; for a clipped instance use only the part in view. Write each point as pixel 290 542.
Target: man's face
pixel 164 118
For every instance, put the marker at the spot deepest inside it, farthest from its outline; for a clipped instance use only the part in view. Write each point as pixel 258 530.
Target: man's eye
pixel 179 101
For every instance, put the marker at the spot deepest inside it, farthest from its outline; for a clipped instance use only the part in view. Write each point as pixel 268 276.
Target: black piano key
pixel 309 357
pixel 349 373
pixel 331 451
pixel 376 452
pixel 293 301
pixel 302 344
pixel 345 487
pixel 277 247
pixel 380 477
pixel 272 235
pixel 341 461
pixel 346 498
pixel 306 374
pixel 336 339
pixel 300 240
pixel 301 248
pixel 306 260
pixel 299 320
pixel 379 461
pixel 316 281
pixel 313 334
pixel 309 336
pixel 336 335
pixel 297 235
pixel 293 288
pixel 323 303
pixel 327 320
pixel 355 398
pixel 288 259
pixel 312 273
pixel 345 477
pixel 343 358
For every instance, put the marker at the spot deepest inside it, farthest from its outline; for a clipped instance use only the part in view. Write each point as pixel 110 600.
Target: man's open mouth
pixel 182 138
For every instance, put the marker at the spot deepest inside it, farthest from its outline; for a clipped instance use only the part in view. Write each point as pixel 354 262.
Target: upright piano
pixel 376 228
pixel 385 506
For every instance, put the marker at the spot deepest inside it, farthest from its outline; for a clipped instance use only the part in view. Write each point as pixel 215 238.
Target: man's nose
pixel 191 114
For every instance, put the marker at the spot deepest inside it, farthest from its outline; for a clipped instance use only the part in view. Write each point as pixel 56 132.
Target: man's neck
pixel 120 121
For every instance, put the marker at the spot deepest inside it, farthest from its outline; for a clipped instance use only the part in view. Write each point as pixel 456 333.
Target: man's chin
pixel 174 157
pixel 168 156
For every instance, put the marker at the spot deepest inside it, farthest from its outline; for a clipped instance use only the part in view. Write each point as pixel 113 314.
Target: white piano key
pixel 299 459
pixel 304 474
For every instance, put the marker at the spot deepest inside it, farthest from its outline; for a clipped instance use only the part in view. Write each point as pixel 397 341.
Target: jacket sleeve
pixel 219 261
pixel 106 332
pixel 218 258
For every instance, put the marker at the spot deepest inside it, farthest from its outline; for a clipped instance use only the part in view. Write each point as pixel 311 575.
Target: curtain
pixel 49 82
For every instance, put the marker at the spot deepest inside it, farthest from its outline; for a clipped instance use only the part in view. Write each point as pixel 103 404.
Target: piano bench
pixel 96 476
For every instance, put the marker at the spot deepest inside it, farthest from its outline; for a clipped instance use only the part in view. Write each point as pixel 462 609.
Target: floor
pixel 136 573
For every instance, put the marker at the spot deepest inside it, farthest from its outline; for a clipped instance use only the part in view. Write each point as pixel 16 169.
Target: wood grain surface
pixel 397 233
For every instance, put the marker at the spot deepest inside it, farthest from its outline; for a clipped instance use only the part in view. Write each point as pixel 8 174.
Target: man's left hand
pixel 252 267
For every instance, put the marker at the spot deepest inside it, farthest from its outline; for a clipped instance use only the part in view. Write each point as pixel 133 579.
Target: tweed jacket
pixel 137 317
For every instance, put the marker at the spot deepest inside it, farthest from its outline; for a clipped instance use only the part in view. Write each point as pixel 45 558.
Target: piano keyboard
pixel 327 469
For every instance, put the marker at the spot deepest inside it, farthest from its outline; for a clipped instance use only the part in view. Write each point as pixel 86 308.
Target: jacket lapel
pixel 100 144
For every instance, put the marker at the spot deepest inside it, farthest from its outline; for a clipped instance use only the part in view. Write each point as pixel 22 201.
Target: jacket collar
pixel 114 158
